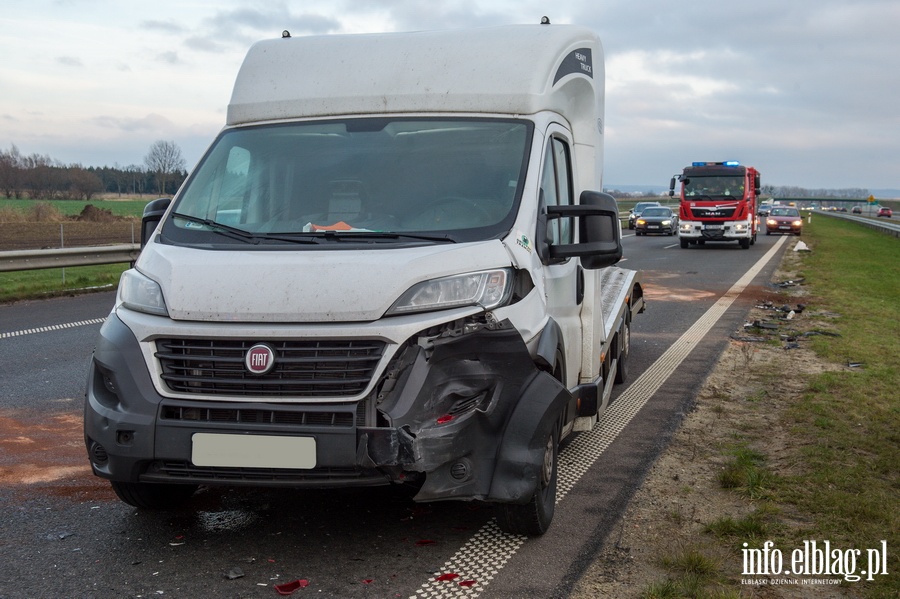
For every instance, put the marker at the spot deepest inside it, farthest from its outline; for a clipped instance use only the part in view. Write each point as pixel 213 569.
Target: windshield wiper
pixel 354 235
pixel 226 230
pixel 240 234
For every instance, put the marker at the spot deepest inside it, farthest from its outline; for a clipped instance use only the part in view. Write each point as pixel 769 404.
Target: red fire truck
pixel 718 203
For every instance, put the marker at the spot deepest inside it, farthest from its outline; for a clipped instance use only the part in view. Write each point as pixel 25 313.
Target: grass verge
pixel 55 282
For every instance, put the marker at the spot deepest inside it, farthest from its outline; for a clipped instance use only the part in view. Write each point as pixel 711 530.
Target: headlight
pixel 489 289
pixel 141 294
pixel 666 223
pixel 797 223
pixel 772 222
pixel 641 221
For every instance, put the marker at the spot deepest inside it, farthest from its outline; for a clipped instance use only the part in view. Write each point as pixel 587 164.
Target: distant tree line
pixel 40 177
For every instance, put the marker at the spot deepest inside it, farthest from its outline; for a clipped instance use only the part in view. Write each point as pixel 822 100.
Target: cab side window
pixel 556 183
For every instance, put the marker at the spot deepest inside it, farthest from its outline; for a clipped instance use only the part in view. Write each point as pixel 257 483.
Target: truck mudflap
pixel 470 412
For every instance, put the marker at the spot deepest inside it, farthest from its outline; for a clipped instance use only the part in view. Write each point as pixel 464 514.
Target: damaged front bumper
pixel 462 414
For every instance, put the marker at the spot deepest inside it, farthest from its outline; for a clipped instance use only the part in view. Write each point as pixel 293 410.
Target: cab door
pixel 563 282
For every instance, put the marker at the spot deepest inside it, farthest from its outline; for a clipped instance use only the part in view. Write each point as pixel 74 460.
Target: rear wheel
pixel 153 496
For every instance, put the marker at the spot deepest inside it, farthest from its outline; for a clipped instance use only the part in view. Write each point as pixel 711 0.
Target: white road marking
pixel 54 327
pixel 482 557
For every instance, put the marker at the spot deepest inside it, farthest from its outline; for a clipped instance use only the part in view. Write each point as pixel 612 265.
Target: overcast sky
pixel 808 91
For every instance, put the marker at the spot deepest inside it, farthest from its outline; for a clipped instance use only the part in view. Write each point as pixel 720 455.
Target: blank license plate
pixel 714 227
pixel 253 451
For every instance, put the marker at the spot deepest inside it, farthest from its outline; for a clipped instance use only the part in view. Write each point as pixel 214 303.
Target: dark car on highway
pixel 884 211
pixel 784 219
pixel 636 211
pixel 656 219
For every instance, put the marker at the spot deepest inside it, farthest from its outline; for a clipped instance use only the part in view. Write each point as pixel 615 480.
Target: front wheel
pixel 684 243
pixel 153 496
pixel 533 518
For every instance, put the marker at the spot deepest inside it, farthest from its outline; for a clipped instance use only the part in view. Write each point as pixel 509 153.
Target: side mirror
pixel 671 187
pixel 600 243
pixel 153 213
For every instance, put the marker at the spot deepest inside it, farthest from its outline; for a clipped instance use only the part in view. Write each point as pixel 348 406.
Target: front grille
pixel 720 212
pixel 320 368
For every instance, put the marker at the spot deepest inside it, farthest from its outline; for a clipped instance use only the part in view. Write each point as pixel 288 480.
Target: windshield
pixel 656 212
pixel 784 212
pixel 368 178
pixel 718 187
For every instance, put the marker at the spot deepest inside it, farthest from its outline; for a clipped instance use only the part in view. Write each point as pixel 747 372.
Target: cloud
pixel 164 26
pixel 69 61
pixel 150 122
pixel 169 57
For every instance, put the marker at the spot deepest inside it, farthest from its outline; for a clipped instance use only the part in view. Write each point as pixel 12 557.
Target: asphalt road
pixel 64 533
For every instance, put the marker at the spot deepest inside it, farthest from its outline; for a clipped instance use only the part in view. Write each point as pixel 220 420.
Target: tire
pixel 622 368
pixel 533 518
pixel 744 243
pixel 153 496
pixel 684 243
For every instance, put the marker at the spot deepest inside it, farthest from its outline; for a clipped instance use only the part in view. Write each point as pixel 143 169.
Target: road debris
pixel 289 587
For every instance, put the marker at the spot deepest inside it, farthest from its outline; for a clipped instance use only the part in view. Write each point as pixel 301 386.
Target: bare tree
pixel 12 172
pixel 83 184
pixel 165 160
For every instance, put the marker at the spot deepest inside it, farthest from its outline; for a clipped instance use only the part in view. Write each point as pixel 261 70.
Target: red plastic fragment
pixel 447 576
pixel 467 583
pixel 289 587
pixel 425 542
pixel 368 580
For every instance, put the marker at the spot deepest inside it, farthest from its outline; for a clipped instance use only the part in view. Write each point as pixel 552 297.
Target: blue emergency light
pixel 726 163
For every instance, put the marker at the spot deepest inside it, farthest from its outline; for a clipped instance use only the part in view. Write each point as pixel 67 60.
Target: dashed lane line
pixel 54 327
pixel 472 568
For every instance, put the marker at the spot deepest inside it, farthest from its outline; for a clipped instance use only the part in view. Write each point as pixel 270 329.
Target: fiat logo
pixel 260 359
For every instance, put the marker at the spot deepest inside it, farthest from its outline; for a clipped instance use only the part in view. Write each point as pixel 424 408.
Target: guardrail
pixel 882 226
pixel 60 258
